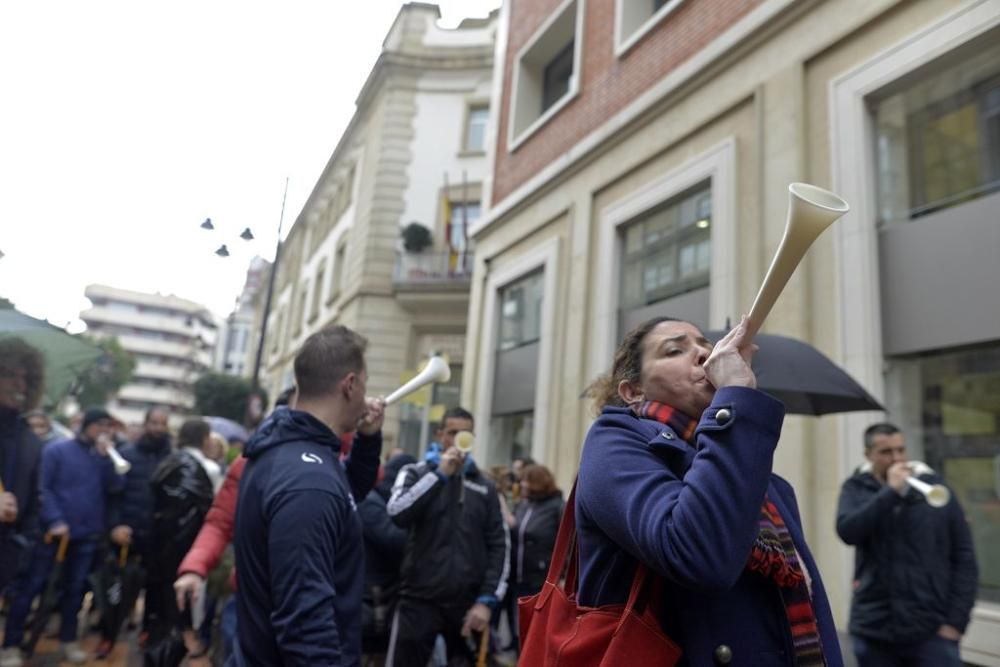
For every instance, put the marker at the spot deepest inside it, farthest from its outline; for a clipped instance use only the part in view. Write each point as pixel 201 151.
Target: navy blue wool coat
pixel 691 514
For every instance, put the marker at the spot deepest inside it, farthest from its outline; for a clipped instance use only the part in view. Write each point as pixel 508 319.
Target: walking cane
pixel 484 647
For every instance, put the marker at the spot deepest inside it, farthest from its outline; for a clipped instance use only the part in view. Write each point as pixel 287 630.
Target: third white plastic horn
pixel 465 441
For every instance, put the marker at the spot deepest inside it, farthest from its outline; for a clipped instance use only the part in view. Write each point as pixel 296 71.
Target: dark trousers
pixel 228 626
pixel 79 558
pixel 415 626
pixel 934 651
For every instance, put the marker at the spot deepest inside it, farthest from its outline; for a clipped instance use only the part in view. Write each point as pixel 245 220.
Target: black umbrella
pixel 116 587
pixel 50 597
pixel 170 649
pixel 802 378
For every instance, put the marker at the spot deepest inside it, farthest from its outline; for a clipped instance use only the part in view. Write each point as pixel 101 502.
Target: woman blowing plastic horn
pixel 676 476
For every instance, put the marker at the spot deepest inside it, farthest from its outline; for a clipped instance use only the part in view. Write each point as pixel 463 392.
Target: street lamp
pixel 255 383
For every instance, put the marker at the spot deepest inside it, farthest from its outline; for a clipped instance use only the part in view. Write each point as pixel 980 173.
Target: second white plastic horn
pixel 121 465
pixel 810 211
pixel 436 370
pixel 937 495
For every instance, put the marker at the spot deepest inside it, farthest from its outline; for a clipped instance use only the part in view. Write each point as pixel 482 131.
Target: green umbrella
pixel 67 357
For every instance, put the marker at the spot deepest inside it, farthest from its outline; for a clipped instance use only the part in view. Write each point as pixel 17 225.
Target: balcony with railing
pixel 433 282
pixel 432 270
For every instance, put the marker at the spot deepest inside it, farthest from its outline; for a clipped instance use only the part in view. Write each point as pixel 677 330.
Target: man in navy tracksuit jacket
pixel 299 546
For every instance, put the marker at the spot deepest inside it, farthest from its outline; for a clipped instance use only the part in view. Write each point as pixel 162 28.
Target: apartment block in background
pixel 173 341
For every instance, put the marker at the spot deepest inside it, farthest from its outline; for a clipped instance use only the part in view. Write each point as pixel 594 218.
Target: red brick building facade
pixel 608 82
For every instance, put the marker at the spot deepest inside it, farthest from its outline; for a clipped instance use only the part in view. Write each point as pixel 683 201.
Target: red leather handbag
pixel 555 631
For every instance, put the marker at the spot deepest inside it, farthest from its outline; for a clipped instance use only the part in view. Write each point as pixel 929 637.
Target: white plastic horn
pixel 937 495
pixel 810 211
pixel 121 465
pixel 436 370
pixel 465 441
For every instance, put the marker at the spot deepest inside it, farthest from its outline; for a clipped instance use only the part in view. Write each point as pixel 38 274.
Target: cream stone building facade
pixel 640 159
pixel 413 152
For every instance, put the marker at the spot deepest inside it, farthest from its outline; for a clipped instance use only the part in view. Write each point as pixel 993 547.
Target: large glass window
pixel 667 251
pixel 510 437
pixel 521 312
pixel 938 139
pixel 951 416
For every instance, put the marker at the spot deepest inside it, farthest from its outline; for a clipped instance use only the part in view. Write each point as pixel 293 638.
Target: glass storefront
pixel 510 437
pixel 950 407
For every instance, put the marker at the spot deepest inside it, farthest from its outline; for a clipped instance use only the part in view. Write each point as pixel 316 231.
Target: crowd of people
pixel 341 558
pixel 309 549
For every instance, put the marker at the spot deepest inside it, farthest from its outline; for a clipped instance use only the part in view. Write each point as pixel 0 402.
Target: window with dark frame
pixel 521 312
pixel 300 314
pixel 317 293
pixel 667 251
pixel 556 76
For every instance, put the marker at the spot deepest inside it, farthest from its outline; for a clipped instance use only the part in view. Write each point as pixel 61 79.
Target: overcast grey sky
pixel 125 124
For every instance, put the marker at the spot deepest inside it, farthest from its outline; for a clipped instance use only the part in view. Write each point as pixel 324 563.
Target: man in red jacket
pixel 213 538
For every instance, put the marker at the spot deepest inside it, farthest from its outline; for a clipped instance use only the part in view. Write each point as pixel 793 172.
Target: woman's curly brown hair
pixel 15 355
pixel 627 366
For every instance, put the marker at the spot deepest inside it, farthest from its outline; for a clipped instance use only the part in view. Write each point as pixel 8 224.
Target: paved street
pixel 47 654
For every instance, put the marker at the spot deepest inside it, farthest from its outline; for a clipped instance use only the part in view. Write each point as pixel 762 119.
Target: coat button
pixel 723 655
pixel 723 416
pixel 668 435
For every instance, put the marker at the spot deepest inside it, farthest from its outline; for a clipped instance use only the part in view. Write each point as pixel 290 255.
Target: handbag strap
pixel 566 535
pixel 567 545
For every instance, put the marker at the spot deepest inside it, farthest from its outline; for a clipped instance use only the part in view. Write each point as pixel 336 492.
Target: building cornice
pixel 402 61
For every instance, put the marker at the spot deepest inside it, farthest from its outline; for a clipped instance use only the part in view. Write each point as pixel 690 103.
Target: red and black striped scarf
pixel 773 554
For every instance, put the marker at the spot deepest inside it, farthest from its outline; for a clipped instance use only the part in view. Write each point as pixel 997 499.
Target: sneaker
pixel 73 653
pixel 104 648
pixel 11 657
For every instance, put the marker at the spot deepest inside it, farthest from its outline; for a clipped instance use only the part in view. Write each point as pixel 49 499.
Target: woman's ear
pixel 629 392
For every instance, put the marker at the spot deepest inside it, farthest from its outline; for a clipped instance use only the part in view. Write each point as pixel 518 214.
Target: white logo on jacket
pixel 311 458
pixel 478 488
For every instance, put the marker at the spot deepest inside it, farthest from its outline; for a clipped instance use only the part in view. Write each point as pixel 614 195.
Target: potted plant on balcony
pixel 416 239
